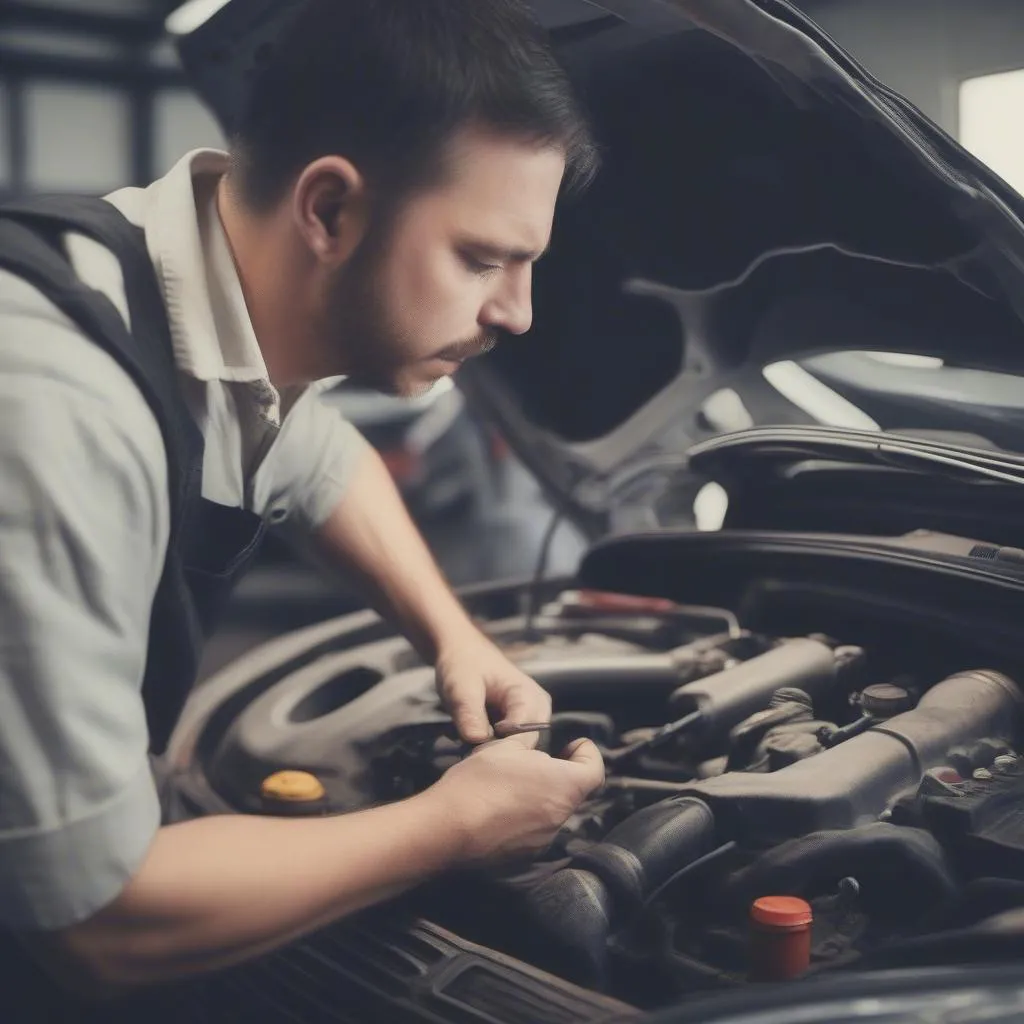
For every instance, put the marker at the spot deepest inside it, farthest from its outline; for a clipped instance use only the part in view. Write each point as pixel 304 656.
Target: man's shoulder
pixel 44 354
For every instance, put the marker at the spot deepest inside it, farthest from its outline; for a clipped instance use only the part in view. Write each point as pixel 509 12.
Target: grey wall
pixel 924 48
pixel 72 118
pixel 921 48
pixel 78 136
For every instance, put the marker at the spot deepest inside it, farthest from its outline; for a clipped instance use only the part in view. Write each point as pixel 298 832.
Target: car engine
pixel 873 776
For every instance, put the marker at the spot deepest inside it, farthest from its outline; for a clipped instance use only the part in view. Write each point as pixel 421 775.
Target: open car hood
pixel 775 239
pixel 768 216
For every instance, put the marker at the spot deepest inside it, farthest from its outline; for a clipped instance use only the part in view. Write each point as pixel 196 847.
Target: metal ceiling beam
pixel 123 72
pixel 127 28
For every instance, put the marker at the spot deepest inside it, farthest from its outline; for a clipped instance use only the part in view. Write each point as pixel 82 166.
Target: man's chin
pixel 400 387
pixel 418 388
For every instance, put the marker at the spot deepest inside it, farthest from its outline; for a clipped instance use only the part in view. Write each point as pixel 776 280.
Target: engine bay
pixel 877 781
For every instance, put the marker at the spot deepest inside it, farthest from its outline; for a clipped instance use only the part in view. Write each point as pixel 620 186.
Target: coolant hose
pixel 643 852
pixel 578 907
pixel 902 872
pixel 997 940
pixel 574 913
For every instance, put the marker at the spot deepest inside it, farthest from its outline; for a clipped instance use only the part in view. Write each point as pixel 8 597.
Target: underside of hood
pixel 762 200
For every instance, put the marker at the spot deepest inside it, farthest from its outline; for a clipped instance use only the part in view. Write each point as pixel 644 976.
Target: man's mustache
pixel 462 351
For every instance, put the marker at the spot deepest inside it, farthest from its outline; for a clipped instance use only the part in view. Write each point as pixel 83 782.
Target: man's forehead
pixel 501 193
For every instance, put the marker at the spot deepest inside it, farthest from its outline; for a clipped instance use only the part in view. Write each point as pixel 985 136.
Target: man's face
pixel 451 271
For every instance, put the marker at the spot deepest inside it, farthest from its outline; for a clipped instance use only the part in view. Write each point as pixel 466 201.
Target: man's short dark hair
pixel 388 83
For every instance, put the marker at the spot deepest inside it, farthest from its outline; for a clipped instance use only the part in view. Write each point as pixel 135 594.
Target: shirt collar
pixel 211 329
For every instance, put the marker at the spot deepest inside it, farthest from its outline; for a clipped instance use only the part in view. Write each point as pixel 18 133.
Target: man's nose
pixel 511 309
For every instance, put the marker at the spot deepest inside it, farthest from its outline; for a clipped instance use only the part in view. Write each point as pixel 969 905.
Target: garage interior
pixel 93 98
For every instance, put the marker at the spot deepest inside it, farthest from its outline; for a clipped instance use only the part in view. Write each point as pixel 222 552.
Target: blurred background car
pixel 442 459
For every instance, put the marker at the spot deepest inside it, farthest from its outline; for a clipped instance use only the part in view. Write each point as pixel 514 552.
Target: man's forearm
pixel 372 536
pixel 216 891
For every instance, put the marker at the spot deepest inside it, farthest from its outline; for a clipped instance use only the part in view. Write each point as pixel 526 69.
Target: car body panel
pixel 835 271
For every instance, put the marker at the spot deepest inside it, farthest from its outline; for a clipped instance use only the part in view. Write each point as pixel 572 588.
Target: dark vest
pixel 210 544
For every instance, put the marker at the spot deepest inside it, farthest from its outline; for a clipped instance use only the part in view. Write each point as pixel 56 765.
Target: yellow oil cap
pixel 292 787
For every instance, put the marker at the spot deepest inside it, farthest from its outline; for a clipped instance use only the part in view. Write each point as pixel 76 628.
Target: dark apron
pixel 209 547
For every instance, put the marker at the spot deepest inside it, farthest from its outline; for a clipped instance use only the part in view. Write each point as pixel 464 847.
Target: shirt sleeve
pixel 83 530
pixel 312 462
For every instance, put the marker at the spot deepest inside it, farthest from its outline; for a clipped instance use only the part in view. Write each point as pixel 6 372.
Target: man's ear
pixel 331 208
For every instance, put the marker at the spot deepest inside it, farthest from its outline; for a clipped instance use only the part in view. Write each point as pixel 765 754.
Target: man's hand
pixel 474 676
pixel 507 800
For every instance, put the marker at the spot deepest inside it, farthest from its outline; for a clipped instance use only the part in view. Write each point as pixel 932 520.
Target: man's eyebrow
pixel 503 253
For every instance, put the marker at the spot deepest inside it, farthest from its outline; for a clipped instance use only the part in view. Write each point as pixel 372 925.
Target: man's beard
pixel 361 324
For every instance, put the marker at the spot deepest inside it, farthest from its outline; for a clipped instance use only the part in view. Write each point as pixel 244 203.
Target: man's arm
pixel 104 897
pixel 89 881
pixel 339 494
pixel 217 891
pixel 371 534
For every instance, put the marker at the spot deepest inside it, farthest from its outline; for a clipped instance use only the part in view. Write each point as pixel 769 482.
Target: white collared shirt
pixel 84 523
pixel 215 348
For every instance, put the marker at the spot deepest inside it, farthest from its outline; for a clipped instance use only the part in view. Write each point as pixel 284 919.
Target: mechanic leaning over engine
pixel 392 179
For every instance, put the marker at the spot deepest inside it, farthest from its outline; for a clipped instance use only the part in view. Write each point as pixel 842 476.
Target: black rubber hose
pixel 579 907
pixel 641 853
pixel 901 872
pixel 573 911
pixel 983 898
pixel 998 940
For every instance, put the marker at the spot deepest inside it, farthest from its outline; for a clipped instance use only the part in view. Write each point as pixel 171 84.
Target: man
pixel 392 180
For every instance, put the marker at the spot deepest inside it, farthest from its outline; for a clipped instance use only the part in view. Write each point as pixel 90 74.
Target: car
pixel 809 697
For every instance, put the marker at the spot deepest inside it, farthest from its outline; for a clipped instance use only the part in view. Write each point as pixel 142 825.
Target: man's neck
pixel 266 272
